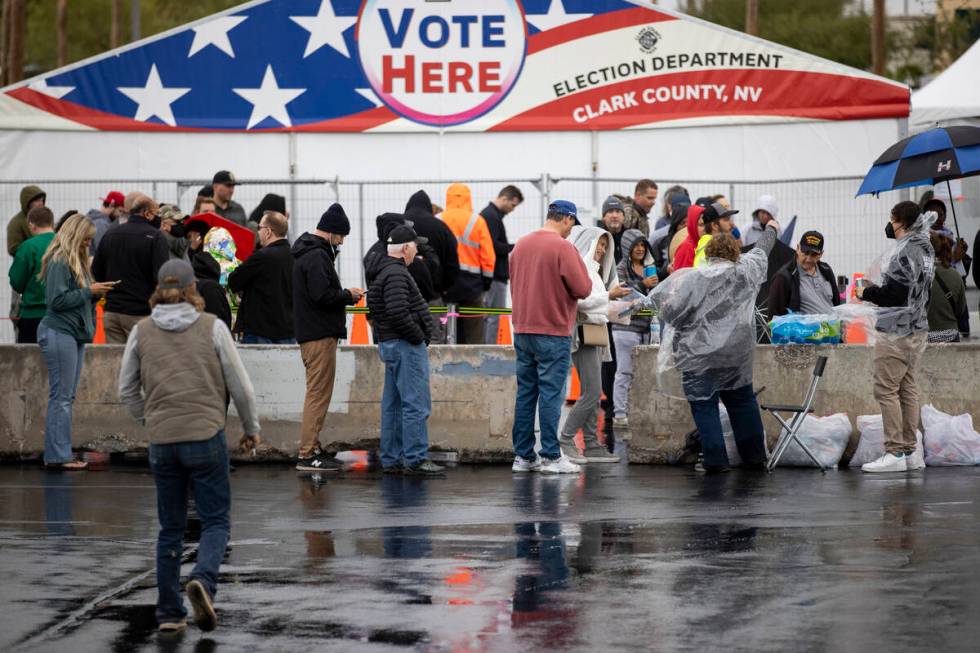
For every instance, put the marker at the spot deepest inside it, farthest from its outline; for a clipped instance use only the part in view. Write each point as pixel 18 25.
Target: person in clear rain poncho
pixel 709 336
pixel 902 327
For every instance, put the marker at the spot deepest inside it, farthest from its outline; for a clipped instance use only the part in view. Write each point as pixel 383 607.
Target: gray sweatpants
pixel 585 413
pixel 625 341
pixel 496 297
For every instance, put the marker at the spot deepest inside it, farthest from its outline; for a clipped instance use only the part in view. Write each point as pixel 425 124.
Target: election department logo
pixel 648 38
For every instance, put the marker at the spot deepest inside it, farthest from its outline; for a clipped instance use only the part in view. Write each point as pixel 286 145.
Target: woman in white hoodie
pixel 595 245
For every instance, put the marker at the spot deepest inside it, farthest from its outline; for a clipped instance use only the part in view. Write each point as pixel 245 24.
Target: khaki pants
pixel 320 360
pixel 117 327
pixel 896 359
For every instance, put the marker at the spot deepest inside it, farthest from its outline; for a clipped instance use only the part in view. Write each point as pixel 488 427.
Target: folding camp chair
pixel 789 431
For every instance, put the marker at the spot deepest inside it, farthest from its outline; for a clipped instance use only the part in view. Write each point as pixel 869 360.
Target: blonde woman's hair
pixel 70 248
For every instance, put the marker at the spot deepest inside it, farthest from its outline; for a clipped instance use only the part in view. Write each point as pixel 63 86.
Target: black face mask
pixel 890 231
pixel 155 222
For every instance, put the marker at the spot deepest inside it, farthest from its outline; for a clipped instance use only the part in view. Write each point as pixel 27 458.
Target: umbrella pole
pixel 952 206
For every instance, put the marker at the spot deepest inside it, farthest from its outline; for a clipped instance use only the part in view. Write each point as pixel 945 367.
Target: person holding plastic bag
pixel 590 343
pixel 902 328
pixel 709 335
pixel 636 270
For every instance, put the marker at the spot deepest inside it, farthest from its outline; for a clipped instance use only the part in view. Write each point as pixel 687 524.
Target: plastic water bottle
pixel 654 331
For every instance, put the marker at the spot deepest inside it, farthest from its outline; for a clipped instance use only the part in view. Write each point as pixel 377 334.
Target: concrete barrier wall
pixel 949 378
pixel 473 397
pixel 472 390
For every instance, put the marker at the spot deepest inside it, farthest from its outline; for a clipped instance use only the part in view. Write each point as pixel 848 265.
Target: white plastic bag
pixel 826 437
pixel 949 440
pixel 871 447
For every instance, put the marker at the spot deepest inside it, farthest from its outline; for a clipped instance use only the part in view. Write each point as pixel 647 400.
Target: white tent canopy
pixel 953 96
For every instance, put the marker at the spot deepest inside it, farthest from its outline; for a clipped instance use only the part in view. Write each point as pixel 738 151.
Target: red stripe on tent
pixel 104 121
pixel 784 93
pixel 594 25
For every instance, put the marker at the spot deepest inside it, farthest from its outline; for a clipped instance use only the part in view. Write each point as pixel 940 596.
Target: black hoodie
pixel 423 268
pixel 207 271
pixel 441 240
pixel 319 301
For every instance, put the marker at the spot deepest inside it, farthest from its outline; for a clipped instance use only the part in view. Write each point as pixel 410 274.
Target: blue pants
pixel 252 339
pixel 175 465
pixel 406 403
pixel 542 367
pixel 743 412
pixel 63 357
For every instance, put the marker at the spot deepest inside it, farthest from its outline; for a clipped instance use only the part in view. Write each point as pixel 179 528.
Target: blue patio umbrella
pixel 928 158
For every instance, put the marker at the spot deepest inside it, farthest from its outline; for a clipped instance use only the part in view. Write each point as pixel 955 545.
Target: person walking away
pixel 476 260
pixel 590 344
pixel 178 368
pixel 25 272
pixel 508 199
pixel 806 284
pixel 130 254
pixel 548 277
pixel 223 186
pixel 901 332
pixel 442 241
pixel 106 216
pixel 765 211
pixel 265 282
pixel 947 300
pixel 400 317
pixel 68 323
pixel 633 273
pixel 320 320
pixel 709 335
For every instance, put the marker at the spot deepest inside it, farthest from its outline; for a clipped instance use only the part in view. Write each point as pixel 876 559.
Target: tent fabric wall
pixel 953 96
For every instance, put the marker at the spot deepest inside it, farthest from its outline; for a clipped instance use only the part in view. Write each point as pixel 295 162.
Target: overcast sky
pixel 894 7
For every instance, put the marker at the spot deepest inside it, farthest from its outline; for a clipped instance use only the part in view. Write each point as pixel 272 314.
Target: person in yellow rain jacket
pixel 476 260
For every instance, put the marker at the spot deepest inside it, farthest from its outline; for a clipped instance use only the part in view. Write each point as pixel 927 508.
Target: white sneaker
pixel 915 461
pixel 887 463
pixel 561 466
pixel 599 454
pixel 571 452
pixel 621 422
pixel 522 465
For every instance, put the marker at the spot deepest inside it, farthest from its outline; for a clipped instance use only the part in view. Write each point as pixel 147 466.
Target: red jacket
pixel 684 256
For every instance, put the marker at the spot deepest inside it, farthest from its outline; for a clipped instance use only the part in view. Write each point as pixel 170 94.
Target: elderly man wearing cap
pixel 402 328
pixel 106 216
pixel 320 320
pixel 717 220
pixel 766 210
pixel 806 284
pixel 223 185
pixel 178 367
pixel 548 277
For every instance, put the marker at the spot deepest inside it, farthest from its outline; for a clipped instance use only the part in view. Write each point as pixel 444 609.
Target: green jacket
pixel 23 275
pixel 17 231
pixel 71 309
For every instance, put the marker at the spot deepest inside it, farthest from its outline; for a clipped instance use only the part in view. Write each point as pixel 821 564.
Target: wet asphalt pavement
pixel 623 558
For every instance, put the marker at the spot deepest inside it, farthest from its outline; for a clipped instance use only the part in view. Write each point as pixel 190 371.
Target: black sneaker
pixel 318 463
pixel 425 468
pixel 397 468
pixel 204 614
pixel 701 468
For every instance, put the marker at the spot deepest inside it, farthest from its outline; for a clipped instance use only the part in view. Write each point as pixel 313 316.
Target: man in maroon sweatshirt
pixel 547 278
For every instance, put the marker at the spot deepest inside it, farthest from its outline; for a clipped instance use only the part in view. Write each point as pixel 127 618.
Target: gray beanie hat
pixel 612 203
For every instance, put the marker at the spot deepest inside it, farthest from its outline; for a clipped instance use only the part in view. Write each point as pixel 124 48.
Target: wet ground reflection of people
pixel 58 493
pixel 314 498
pixel 400 494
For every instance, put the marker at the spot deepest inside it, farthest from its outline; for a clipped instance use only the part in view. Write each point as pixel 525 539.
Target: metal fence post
pixel 451 324
pixel 360 221
pixel 731 193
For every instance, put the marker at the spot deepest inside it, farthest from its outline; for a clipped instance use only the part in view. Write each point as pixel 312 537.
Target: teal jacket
pixel 23 275
pixel 71 309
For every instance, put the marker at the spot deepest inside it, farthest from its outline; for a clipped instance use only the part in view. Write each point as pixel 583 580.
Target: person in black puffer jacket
pixel 402 330
pixel 424 269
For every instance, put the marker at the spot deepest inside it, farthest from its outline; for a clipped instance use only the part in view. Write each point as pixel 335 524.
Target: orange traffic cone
pixel 359 327
pixel 99 338
pixel 574 389
pixel 503 331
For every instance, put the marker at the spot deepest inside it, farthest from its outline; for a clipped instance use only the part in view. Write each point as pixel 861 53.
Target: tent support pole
pixel 952 207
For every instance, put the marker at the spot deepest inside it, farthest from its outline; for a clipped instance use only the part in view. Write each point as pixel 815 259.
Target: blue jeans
pixel 252 339
pixel 63 357
pixel 542 367
pixel 406 403
pixel 204 462
pixel 743 412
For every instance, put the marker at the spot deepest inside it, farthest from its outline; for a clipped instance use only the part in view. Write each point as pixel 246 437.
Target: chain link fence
pixel 852 226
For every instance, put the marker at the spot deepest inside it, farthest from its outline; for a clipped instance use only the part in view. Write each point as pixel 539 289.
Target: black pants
pixel 469 330
pixel 608 379
pixel 27 330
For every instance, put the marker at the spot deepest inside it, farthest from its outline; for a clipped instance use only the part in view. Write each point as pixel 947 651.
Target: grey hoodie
pixel 179 317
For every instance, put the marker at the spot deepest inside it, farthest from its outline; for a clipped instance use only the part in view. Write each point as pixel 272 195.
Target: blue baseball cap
pixel 564 207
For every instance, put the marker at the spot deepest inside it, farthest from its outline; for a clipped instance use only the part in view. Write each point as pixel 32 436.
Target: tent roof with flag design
pixel 412 65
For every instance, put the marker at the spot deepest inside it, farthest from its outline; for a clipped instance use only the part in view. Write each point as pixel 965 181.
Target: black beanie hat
pixel 334 221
